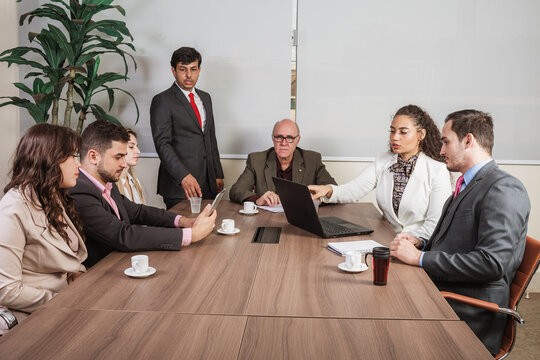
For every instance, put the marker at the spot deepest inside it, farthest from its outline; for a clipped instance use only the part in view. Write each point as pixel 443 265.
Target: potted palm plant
pixel 64 59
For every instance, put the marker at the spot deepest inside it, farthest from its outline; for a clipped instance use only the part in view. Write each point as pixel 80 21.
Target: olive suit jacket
pixel 478 245
pixel 307 168
pixel 183 147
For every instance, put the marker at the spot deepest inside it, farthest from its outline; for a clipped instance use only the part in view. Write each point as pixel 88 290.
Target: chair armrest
pixel 482 304
pixel 471 301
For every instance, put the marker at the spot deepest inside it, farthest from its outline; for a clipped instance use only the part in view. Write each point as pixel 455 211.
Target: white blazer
pixel 421 203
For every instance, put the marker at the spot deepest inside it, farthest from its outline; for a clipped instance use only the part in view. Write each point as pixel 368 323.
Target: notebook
pixel 300 211
pixel 364 246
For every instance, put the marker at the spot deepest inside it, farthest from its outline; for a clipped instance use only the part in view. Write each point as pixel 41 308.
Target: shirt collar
pixel 469 174
pixel 186 93
pixel 101 188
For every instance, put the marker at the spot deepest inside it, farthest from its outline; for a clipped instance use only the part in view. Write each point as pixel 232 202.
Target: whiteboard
pixel 358 62
pixel 363 60
pixel 246 67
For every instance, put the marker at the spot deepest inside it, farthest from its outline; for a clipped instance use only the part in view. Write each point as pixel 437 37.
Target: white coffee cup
pixel 139 264
pixel 249 206
pixel 353 259
pixel 227 225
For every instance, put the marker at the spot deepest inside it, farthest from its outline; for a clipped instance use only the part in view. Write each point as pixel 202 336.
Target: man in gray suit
pixel 285 160
pixel 184 133
pixel 479 241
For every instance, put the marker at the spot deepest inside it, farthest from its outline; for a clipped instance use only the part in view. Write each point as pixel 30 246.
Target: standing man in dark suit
pixel 479 241
pixel 110 220
pixel 184 134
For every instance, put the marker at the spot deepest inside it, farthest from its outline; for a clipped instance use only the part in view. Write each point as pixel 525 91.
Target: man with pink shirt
pixel 113 222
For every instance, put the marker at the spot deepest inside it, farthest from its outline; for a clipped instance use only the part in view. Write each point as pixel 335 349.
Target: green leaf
pixel 24 88
pixel 110 92
pixel 35 111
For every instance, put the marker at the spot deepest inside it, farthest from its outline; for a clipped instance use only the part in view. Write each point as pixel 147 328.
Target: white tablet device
pixel 216 201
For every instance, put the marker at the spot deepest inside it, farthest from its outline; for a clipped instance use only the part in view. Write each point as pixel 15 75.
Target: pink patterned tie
pixel 459 183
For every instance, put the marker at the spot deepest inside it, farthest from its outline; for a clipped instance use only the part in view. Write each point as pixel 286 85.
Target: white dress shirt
pixel 198 102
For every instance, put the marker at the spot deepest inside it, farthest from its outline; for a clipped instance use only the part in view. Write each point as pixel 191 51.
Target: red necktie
pixel 459 183
pixel 194 106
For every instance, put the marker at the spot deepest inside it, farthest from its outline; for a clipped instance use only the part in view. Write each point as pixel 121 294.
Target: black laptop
pixel 300 211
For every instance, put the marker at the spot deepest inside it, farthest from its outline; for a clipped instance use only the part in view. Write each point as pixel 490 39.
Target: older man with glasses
pixel 285 160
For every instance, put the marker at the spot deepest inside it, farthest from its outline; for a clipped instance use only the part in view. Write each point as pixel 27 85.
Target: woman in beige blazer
pixel 411 181
pixel 41 250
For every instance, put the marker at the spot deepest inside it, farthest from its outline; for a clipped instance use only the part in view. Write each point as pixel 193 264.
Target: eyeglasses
pixel 279 138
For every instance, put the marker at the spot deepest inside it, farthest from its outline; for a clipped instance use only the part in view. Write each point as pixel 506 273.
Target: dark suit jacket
pixel 104 232
pixel 478 245
pixel 307 168
pixel 182 146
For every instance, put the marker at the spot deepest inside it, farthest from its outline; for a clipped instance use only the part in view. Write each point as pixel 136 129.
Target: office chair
pixel 521 280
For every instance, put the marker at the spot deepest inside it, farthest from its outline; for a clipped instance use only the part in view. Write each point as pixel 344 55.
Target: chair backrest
pixel 524 274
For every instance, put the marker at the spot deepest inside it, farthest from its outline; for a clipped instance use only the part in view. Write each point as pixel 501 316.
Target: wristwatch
pixel 8 316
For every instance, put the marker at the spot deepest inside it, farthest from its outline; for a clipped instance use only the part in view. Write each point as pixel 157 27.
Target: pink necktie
pixel 194 106
pixel 110 200
pixel 459 183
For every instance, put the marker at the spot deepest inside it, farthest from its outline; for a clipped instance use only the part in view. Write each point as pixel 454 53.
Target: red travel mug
pixel 381 263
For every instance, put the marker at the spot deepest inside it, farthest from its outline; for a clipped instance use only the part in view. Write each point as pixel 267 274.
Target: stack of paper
pixel 272 208
pixel 341 248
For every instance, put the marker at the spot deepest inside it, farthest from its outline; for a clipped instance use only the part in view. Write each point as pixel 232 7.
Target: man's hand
pixel 219 183
pixel 191 186
pixel 268 198
pixel 405 251
pixel 204 224
pixel 319 191
pixel 413 239
pixel 72 277
pixel 186 222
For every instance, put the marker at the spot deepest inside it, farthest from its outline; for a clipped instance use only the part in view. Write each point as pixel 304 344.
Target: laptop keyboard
pixel 334 229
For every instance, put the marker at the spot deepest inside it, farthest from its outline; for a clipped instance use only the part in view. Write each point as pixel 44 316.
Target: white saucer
pixel 221 231
pixel 343 266
pixel 131 273
pixel 253 212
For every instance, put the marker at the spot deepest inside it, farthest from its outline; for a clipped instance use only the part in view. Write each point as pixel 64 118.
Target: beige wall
pixel 9 115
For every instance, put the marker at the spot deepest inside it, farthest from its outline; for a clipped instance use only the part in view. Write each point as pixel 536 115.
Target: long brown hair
pixel 431 143
pixel 36 172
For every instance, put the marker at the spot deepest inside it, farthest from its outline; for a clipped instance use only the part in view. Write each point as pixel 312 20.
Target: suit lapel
pixel 452 204
pixel 298 167
pixel 40 221
pixel 117 197
pixel 270 170
pixel 185 103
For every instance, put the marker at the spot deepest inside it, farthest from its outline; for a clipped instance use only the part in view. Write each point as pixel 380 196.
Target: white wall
pixel 9 115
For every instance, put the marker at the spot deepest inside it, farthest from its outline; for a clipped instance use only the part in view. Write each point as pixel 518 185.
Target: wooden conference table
pixel 228 298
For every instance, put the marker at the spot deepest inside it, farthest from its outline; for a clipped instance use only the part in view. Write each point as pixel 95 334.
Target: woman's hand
pixel 319 191
pixel 72 277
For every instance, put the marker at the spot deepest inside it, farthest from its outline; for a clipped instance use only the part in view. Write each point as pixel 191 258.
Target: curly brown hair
pixel 431 143
pixel 36 172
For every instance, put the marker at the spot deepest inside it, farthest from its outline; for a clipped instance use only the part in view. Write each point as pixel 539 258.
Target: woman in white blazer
pixel 41 250
pixel 411 182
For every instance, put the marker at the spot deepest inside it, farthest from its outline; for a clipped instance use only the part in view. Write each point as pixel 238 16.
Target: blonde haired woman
pixel 128 184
